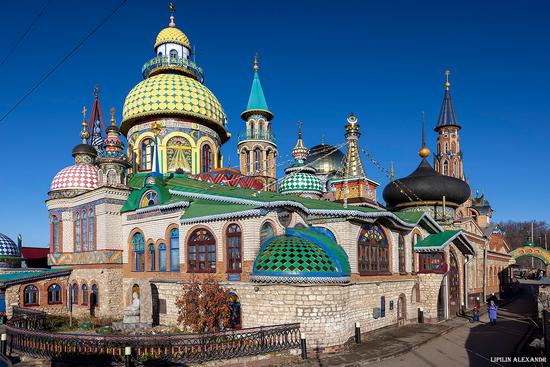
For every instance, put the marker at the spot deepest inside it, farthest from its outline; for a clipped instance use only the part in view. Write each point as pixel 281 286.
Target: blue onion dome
pixel 301 256
pixel 7 246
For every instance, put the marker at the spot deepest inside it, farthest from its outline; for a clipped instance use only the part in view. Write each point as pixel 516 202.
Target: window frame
pixel 139 252
pixel 368 248
pixel 31 290
pixel 231 237
pixel 145 155
pixel 85 294
pixel 174 250
pixel 55 294
pixel 206 158
pixel 426 260
pixel 193 257
pixel 162 251
pixel 151 249
pixel 401 254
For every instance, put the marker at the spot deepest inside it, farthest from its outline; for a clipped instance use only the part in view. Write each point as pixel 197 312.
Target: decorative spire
pixel 447 116
pixel 112 112
pixel 300 152
pixel 392 173
pixel 84 134
pixel 353 167
pixel 172 9
pixel 424 152
pixel 96 125
pixel 257 103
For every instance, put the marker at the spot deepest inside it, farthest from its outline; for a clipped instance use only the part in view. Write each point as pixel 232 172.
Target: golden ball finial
pixel 447 83
pixel 256 63
pixel 424 152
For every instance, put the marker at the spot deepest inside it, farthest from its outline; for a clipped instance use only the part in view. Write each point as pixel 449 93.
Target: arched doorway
pixel 401 308
pixel 441 302
pixel 93 299
pixel 235 310
pixel 454 286
pixel 155 307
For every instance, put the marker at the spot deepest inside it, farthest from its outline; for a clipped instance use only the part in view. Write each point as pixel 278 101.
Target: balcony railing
pixel 177 62
pixel 256 135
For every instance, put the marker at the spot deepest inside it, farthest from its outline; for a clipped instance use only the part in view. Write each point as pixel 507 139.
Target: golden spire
pixel 112 112
pixel 424 152
pixel 256 66
pixel 84 134
pixel 447 83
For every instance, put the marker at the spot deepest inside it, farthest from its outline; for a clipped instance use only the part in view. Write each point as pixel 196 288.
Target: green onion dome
pixel 300 179
pixel 303 256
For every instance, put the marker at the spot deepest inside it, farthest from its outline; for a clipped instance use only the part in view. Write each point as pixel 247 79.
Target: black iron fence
pixel 179 348
pixel 28 318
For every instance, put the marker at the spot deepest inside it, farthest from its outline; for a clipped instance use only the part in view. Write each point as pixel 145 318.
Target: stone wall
pixel 429 294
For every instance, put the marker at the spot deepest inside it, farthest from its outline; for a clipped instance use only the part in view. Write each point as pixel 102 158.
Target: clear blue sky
pixel 383 60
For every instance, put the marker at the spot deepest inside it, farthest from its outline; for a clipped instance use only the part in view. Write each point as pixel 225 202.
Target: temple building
pixel 130 224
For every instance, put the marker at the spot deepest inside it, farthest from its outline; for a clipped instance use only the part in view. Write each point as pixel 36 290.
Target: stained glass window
pixel 139 247
pixel 233 238
pixel 78 246
pixel 162 257
pixel 152 256
pixel 266 232
pixel 178 150
pixel 206 158
pixel 401 253
pixel 372 250
pixel 201 252
pixel 54 294
pixel 30 295
pixel 175 250
pixel 149 198
pixel 432 262
pixel 146 154
pixel 84 294
pixel 74 294
pixel 91 232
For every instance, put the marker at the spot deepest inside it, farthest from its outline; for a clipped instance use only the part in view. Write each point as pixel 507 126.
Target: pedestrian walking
pixel 476 312
pixel 493 313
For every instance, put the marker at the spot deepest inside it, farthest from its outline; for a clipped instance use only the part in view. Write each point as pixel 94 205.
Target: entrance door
pixel 401 310
pixel 155 305
pixel 441 302
pixel 454 287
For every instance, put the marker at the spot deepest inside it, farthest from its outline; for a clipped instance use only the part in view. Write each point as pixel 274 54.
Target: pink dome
pixel 77 177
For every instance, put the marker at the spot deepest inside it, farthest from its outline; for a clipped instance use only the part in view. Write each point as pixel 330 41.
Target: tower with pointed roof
pixel 113 162
pixel 354 187
pixel 256 146
pixel 448 158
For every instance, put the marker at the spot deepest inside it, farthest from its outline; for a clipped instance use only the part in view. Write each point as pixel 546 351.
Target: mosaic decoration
pixel 301 182
pixel 7 246
pixel 150 198
pixel 178 151
pixel 77 177
pixel 91 257
pixel 172 35
pixel 230 177
pixel 533 251
pixel 173 94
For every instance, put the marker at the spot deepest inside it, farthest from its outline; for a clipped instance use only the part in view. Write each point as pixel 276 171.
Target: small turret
pixel 113 162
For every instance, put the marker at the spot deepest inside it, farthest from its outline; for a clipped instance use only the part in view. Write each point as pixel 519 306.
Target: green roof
pixel 437 241
pixel 14 277
pixel 256 101
pixel 205 208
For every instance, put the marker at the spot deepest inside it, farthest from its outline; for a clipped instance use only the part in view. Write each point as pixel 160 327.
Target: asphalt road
pixel 476 344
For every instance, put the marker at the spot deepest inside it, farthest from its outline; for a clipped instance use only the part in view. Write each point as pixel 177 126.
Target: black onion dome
pixel 426 184
pixel 325 158
pixel 84 149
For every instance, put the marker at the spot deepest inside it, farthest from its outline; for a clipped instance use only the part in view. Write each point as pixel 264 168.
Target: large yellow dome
pixel 173 94
pixel 172 35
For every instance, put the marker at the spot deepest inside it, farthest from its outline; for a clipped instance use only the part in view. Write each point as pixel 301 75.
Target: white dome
pixel 76 177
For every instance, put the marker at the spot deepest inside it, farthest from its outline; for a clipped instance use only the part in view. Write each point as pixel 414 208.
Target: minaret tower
pixel 355 187
pixel 448 159
pixel 113 162
pixel 256 147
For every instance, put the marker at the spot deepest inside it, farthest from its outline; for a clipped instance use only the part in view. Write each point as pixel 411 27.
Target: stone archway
pixel 401 308
pixel 532 251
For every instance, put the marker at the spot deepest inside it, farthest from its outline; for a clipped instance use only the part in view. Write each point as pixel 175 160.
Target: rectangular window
pixel 432 263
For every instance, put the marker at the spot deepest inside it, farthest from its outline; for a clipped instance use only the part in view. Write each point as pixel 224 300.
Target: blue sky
pixel 383 60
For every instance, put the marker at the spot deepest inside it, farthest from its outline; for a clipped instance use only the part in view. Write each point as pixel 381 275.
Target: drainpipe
pixel 466 278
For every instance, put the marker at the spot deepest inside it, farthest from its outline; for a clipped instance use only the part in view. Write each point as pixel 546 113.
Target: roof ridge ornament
pixel 447 83
pixel 84 134
pixel 172 9
pixel 424 152
pixel 256 67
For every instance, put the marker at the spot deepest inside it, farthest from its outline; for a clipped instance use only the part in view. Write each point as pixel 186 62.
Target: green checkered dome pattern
pixel 172 94
pixel 301 182
pixel 289 254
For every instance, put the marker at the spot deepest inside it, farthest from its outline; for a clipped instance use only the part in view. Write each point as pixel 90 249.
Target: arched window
pixel 55 234
pixel 206 158
pixel 74 294
pixel 54 294
pixel 266 232
pixel 94 296
pixel 162 257
pixel 84 294
pixel 146 154
pixel 234 251
pixel 152 256
pixel 252 132
pixel 453 147
pixel 373 255
pixel 85 230
pixel 139 247
pixel 149 198
pixel 178 154
pixel 446 168
pixel 160 54
pixel 91 231
pixel 401 253
pixel 173 54
pixel 77 243
pixel 416 238
pixel 455 169
pixel 30 296
pixel 257 159
pixel 175 250
pixel 201 251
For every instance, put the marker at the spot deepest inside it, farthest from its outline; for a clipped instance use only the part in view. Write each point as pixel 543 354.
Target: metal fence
pixel 546 329
pixel 28 318
pixel 178 348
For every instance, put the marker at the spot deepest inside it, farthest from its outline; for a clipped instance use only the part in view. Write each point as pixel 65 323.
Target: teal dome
pixel 303 256
pixel 301 181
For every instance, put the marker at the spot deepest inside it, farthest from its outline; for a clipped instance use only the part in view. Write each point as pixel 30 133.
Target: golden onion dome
pixel 173 95
pixel 172 35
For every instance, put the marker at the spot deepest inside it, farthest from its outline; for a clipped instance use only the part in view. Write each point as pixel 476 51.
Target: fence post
pixel 420 315
pixel 4 342
pixel 127 356
pixel 357 333
pixel 303 345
